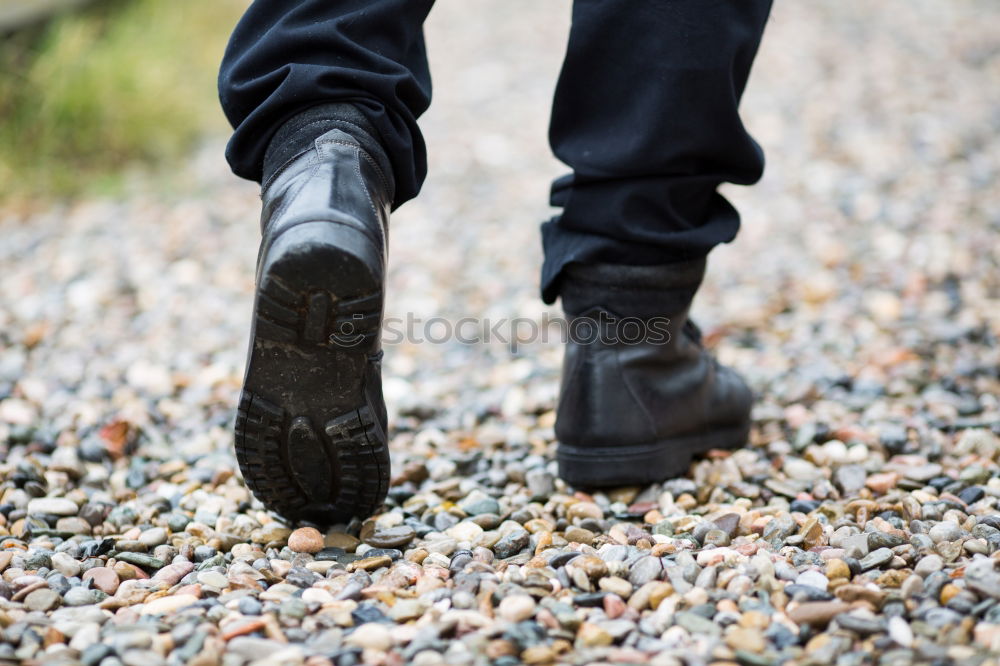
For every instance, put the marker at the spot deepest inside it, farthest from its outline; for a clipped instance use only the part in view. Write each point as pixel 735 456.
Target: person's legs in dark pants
pixel 645 114
pixel 323 96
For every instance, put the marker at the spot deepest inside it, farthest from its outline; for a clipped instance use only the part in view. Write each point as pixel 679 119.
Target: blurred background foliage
pixel 106 85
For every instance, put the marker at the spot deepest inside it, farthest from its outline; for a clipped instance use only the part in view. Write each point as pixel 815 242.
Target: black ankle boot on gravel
pixel 640 395
pixel 311 424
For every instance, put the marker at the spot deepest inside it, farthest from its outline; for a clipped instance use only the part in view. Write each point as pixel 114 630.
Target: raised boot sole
pixel 621 465
pixel 309 440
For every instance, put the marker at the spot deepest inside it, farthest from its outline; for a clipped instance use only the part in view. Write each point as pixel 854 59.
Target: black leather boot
pixel 311 424
pixel 640 395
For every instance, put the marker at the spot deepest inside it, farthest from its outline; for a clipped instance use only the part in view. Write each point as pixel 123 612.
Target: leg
pixel 645 113
pixel 324 96
pixel 286 56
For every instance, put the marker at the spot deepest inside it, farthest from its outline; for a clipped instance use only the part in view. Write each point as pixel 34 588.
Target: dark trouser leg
pixel 286 56
pixel 645 113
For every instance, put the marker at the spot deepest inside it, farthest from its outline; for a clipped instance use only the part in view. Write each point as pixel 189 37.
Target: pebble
pixel 66 565
pixel 169 604
pixel 405 610
pixel 249 606
pixel 882 483
pixel 340 540
pixel 42 599
pixel 876 559
pixel 576 534
pixel 128 571
pixel 103 579
pixel 370 636
pixel 305 540
pixel 478 502
pixel 900 631
pixel 851 478
pixel 78 596
pixel 656 592
pixel 540 482
pixel 617 586
pixel 55 506
pixel 213 579
pixel 141 560
pixel 73 525
pixel 271 533
pixel 945 531
pixel 928 564
pixel 644 570
pixel 837 568
pixel 696 624
pixel 153 537
pixel 173 573
pixel 982 577
pixel 370 563
pixel 592 635
pixel 594 567
pixel 393 537
pixel 814 579
pixel 817 613
pixel 584 510
pixel 516 608
pixel 750 640
pixel 512 544
pixel 859 624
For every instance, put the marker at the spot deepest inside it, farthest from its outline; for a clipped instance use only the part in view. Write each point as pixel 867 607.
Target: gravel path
pixel 862 299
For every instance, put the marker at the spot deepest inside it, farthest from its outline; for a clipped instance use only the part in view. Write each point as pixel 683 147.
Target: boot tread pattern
pixel 317 317
pixel 266 441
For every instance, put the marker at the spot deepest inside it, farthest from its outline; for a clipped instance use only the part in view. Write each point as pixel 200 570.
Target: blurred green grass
pixel 119 83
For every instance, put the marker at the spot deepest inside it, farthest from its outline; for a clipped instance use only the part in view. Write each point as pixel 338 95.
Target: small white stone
pixel 406 609
pixel 149 377
pixel 712 556
pixel 516 608
pixel 371 635
pixel 928 564
pixel 168 604
pixel 153 537
pixel 56 506
pixel 437 559
pixel 65 565
pixel 900 631
pixel 317 595
pixel 85 636
pixel 464 531
pixel 813 578
pixel 213 579
pixel 857 453
pixel 945 531
pixel 801 470
pixel 391 519
pixel 912 586
pixel 428 658
pixel 836 451
pixel 16 411
pixel 321 566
